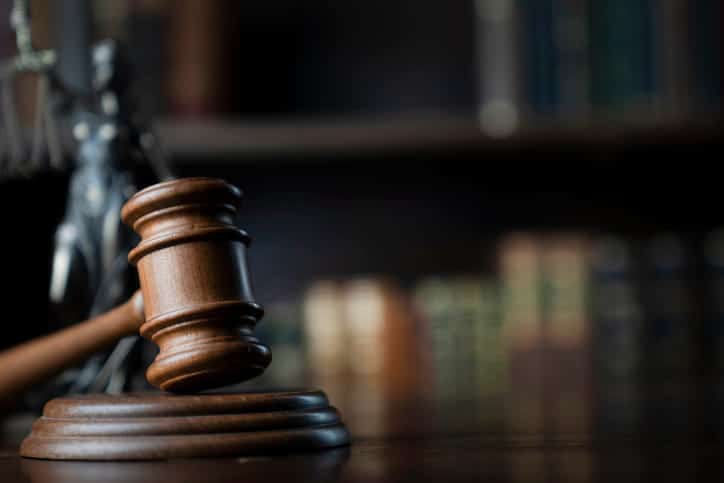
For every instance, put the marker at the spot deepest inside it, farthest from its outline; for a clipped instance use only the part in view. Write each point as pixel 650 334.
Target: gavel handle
pixel 35 361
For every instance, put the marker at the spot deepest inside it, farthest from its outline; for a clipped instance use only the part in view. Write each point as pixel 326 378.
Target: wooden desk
pixel 664 434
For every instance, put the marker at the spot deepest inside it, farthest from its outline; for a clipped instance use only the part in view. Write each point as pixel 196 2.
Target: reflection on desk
pixel 668 432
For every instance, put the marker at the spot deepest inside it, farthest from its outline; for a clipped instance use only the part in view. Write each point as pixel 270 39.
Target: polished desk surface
pixel 670 433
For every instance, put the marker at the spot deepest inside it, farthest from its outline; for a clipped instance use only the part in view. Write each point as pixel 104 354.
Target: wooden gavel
pixel 195 300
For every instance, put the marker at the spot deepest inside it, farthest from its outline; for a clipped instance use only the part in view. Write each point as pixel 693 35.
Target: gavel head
pixel 198 302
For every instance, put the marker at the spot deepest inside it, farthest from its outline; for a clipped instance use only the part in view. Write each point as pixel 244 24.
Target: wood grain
pixel 35 361
pixel 162 426
pixel 196 299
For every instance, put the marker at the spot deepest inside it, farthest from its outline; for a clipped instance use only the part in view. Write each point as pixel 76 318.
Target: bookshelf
pixel 345 139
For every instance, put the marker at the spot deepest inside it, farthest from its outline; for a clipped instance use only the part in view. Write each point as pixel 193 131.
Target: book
pixel 541 76
pixel 488 356
pixel 382 349
pixel 520 272
pixel 566 279
pixel 618 332
pixel 460 316
pixel 617 310
pixel 362 344
pixel 568 372
pixel 672 56
pixel 622 56
pixel 324 330
pixel 282 329
pixel 705 27
pixel 519 266
pixel 499 91
pixel 197 80
pixel 572 45
pixel 433 299
pixel 668 308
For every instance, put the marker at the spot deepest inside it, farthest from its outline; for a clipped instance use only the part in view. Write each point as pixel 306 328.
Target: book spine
pixel 621 49
pixel 540 78
pixel 519 261
pixel 572 39
pixel 668 309
pixel 567 332
pixel 491 370
pixel 565 272
pixel 672 56
pixel 433 300
pixel 324 332
pixel 617 314
pixel 196 81
pixel 520 273
pixel 461 318
pixel 498 69
pixel 668 336
pixel 478 351
pixel 282 331
pixel 706 53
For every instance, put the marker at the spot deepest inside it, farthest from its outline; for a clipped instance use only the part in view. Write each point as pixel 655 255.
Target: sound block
pixel 163 426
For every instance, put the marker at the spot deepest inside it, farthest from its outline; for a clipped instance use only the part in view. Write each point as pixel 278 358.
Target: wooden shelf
pixel 240 140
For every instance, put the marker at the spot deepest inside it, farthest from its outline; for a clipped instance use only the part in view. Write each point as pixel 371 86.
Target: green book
pixel 621 54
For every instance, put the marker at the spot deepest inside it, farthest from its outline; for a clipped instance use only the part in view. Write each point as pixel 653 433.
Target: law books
pixel 547 331
pixel 672 56
pixel 533 60
pixel 197 79
pixel 282 330
pixel 363 330
pixel 541 64
pixel 617 313
pixel 617 310
pixel 499 91
pixel 622 53
pixel 583 60
pixel 521 278
pixel 705 36
pixel 669 308
pixel 573 58
pixel 324 329
pixel 459 316
pixel 568 329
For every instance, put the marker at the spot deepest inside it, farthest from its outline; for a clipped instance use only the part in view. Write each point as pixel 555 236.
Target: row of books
pixel 622 310
pixel 568 331
pixel 577 59
pixel 535 58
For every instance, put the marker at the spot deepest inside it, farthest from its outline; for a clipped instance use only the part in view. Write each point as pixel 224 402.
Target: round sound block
pixel 163 426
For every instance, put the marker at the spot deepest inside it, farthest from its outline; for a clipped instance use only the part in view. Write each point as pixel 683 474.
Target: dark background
pixel 407 211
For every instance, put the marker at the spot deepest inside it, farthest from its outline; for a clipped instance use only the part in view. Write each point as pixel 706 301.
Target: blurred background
pixel 510 208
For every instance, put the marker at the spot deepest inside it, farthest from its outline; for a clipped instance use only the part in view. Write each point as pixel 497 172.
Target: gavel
pixel 195 299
